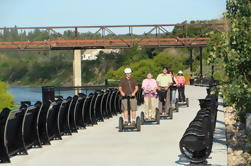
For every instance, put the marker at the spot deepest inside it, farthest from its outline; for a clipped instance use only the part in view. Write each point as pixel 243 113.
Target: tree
pixel 233 47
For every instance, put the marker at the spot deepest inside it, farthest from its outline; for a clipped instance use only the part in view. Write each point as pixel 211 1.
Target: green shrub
pixel 140 68
pixel 6 100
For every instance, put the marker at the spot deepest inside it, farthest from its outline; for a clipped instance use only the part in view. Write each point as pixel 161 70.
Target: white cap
pixel 180 72
pixel 128 70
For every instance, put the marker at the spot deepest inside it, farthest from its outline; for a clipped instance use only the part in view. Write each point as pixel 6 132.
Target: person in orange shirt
pixel 189 82
pixel 181 86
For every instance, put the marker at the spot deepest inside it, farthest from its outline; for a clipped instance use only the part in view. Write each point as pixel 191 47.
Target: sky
pixel 106 12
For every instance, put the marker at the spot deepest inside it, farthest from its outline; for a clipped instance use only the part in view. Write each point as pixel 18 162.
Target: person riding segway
pixel 164 80
pixel 128 87
pixel 150 114
pixel 182 100
pixel 173 88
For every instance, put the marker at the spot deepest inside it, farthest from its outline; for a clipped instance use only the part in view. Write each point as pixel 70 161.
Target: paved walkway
pixel 103 145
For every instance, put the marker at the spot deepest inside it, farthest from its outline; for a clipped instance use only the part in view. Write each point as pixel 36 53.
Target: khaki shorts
pixel 133 103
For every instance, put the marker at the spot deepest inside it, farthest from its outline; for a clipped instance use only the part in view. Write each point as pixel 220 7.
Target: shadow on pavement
pixel 184 161
pixel 220 111
pixel 150 123
pixel 127 130
pixel 219 135
pixel 220 103
pixel 221 122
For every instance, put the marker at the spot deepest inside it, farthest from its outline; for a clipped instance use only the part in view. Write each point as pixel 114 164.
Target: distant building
pixel 91 54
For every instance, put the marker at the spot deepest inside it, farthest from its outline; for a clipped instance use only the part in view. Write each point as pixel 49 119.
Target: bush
pixel 6 100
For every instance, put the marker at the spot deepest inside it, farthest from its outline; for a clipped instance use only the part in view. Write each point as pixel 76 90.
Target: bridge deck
pixel 103 43
pixel 104 145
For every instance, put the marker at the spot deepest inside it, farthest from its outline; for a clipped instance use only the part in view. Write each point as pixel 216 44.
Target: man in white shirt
pixel 164 81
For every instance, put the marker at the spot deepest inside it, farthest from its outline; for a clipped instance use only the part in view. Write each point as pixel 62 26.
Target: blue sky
pixel 106 12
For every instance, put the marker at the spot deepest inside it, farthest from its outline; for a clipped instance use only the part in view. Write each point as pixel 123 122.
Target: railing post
pixel 48 94
pixel 106 82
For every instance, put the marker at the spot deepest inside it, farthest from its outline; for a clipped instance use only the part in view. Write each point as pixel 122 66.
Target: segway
pixel 178 102
pixel 156 119
pixel 157 113
pixel 176 108
pixel 129 125
pixel 166 115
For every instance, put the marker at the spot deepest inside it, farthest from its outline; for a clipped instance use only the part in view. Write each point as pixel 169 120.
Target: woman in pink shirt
pixel 181 86
pixel 149 86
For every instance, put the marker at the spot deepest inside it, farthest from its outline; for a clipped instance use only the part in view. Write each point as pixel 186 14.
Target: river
pixel 32 94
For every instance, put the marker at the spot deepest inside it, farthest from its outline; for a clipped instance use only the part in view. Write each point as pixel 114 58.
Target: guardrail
pixel 196 143
pixel 37 125
pixel 205 82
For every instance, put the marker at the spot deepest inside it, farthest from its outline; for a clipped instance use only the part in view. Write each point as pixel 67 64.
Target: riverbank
pixel 39 84
pixel 51 83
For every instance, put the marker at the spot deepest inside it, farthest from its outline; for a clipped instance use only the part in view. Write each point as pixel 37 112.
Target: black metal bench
pixel 196 143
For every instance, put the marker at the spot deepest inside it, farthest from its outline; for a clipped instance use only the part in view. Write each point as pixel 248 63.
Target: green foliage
pixel 193 31
pixel 133 55
pixel 95 70
pixel 233 47
pixel 6 100
pixel 140 68
pixel 41 70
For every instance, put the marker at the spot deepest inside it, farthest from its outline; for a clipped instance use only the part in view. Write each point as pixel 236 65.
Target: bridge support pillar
pixel 191 60
pixel 77 81
pixel 201 74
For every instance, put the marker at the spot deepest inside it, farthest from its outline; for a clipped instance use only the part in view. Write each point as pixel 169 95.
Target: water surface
pixel 32 94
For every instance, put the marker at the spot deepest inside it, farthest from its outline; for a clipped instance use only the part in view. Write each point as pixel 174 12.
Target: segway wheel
pixel 121 123
pixel 142 118
pixel 138 125
pixel 170 113
pixel 157 116
pixel 187 101
pixel 177 106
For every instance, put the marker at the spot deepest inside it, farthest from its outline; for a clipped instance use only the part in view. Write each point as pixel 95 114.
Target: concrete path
pixel 103 145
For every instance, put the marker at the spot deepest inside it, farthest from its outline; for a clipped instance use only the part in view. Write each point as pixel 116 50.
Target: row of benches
pixel 196 143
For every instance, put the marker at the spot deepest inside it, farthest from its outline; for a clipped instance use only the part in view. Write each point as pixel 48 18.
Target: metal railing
pixel 39 124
